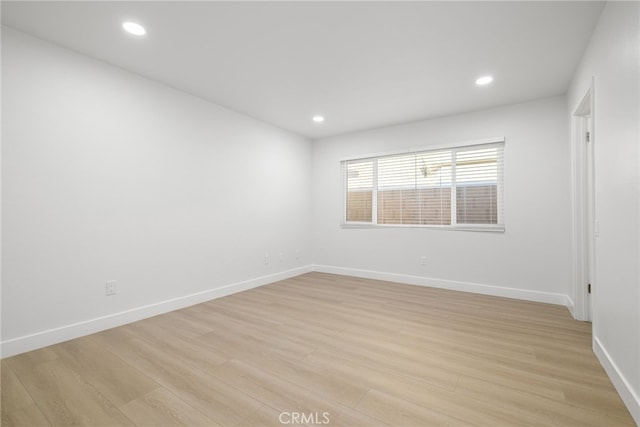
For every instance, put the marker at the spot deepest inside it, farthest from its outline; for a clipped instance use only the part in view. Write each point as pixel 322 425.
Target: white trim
pixel 493 228
pixel 571 306
pixel 579 198
pixel 41 339
pixel 476 288
pixel 447 146
pixel 622 386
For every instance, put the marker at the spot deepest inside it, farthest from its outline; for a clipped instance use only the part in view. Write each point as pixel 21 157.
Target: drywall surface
pixel 612 59
pixel 109 176
pixel 530 260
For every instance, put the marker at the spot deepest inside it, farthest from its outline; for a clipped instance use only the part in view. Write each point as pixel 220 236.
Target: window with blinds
pixel 459 187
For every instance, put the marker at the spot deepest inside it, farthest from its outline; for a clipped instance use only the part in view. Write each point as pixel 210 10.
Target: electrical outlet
pixel 266 259
pixel 110 288
pixel 423 260
pixel 280 257
pixel 297 255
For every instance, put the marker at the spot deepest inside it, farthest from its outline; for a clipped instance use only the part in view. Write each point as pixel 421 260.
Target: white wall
pixel 109 176
pixel 613 58
pixel 531 260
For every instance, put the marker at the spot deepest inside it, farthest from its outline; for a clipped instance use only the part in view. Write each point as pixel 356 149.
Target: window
pixel 459 188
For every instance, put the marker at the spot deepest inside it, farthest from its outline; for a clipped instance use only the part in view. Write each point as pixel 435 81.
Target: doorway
pixel 585 224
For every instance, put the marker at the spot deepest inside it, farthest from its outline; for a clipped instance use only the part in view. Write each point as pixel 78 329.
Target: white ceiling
pixel 360 64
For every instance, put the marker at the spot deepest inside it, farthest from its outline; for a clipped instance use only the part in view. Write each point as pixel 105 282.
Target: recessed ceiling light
pixel 318 119
pixel 134 28
pixel 484 80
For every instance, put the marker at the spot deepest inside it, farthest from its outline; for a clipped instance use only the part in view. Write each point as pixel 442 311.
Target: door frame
pixel 583 206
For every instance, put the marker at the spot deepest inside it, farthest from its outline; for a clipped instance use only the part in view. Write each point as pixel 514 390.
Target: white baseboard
pixel 476 288
pixel 57 335
pixel 572 308
pixel 53 336
pixel 624 389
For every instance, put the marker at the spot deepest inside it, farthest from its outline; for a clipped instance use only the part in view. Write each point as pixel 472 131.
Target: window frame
pixel 459 146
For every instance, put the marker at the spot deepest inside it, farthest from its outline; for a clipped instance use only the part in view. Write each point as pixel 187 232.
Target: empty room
pixel 340 213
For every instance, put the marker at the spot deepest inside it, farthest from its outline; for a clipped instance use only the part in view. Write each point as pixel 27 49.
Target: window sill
pixel 466 227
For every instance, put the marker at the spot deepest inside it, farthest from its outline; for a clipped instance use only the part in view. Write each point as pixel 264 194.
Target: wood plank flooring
pixel 322 349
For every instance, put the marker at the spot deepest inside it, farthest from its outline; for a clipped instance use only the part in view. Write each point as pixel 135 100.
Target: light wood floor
pixel 349 351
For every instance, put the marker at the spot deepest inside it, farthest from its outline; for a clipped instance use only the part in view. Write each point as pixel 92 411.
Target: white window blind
pixel 459 187
pixel 359 194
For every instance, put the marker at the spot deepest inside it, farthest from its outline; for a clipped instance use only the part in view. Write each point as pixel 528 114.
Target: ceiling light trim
pixel 134 28
pixel 484 80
